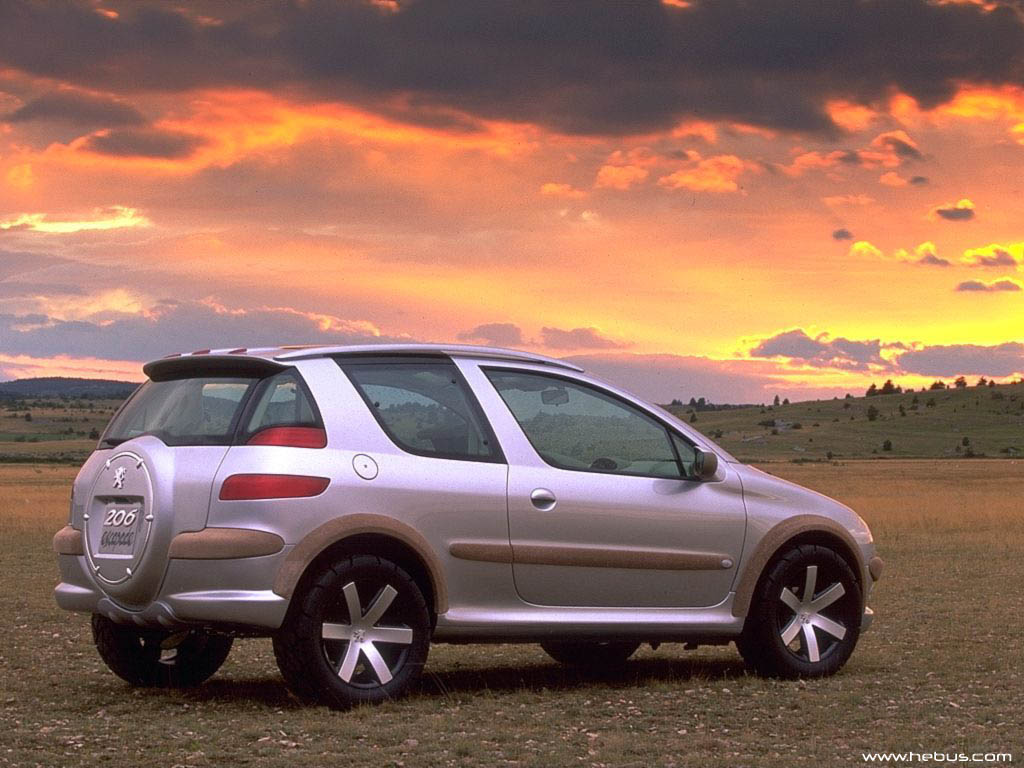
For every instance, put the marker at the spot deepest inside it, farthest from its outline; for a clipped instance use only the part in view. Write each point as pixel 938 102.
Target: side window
pixel 282 401
pixel 425 408
pixel 574 426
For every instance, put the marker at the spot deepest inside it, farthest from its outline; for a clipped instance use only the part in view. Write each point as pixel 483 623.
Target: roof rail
pixel 461 350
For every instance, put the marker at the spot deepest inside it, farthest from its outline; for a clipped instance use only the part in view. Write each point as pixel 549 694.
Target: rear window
pixel 193 411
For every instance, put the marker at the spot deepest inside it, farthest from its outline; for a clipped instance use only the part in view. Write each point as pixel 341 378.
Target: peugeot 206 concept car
pixel 358 503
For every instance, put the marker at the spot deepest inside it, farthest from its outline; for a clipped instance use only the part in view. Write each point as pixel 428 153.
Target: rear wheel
pixel 359 634
pixel 590 655
pixel 805 616
pixel 159 658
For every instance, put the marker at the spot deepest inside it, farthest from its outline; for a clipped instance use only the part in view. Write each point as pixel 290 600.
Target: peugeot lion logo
pixel 119 474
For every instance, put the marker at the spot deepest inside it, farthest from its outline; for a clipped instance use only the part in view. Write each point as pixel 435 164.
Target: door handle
pixel 543 499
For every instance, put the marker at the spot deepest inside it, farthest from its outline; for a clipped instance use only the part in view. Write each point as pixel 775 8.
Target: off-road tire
pixel 139 656
pixel 762 643
pixel 313 665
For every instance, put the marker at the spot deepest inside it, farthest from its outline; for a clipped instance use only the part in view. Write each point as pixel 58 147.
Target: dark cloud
pixel 588 67
pixel 660 378
pixel 962 211
pixel 930 259
pixel 577 338
pixel 899 147
pixel 997 257
pixel 999 285
pixel 821 352
pixel 496 334
pixel 144 142
pixel 13 263
pixel 919 181
pixel 842 234
pixel 81 110
pixel 965 360
pixel 953 360
pixel 173 326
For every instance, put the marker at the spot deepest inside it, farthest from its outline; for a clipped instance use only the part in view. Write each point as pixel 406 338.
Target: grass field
pixel 942 669
pixel 56 430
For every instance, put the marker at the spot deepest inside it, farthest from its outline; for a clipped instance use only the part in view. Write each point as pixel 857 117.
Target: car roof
pixel 283 355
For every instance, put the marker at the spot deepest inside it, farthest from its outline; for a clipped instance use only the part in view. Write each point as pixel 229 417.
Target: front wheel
pixel 805 616
pixel 590 655
pixel 158 658
pixel 359 634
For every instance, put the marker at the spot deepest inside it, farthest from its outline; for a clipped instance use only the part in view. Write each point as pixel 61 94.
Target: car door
pixel 602 511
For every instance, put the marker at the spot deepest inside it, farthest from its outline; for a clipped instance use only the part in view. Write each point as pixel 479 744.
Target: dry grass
pixel 941 670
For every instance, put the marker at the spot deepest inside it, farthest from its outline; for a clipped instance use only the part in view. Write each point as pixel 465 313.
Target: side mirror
pixel 705 465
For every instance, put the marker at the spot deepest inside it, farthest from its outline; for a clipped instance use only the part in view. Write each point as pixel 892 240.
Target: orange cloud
pixel 619 176
pixel 20 176
pixel 815 161
pixel 555 189
pixel 849 116
pixel 230 125
pixel 720 173
pixel 892 179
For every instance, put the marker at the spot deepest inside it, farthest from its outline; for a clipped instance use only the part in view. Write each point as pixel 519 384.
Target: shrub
pixel 872 413
pixel 887 445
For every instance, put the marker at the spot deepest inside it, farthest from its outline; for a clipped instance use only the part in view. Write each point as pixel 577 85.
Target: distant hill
pixel 62 386
pixel 946 423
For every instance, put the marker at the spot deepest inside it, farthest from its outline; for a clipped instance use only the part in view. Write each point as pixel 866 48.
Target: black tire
pixel 315 667
pixel 590 654
pixel 159 658
pixel 812 631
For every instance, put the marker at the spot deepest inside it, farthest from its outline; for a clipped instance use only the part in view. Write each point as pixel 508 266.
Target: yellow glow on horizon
pixel 116 217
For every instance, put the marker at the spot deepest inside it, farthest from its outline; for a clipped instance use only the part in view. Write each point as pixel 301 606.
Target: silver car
pixel 358 503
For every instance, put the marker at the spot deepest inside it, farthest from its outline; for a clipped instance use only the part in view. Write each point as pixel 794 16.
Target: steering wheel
pixel 604 464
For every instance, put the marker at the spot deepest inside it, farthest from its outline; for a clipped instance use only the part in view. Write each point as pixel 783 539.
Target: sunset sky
pixel 724 199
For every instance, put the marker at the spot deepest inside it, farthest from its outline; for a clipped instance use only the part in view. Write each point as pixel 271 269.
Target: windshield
pixel 195 411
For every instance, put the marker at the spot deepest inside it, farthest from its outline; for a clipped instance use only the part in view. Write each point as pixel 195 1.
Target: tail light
pixel 251 487
pixel 293 437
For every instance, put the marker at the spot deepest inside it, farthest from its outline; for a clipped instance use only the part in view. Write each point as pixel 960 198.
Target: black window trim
pixel 498 455
pixel 669 430
pixel 241 435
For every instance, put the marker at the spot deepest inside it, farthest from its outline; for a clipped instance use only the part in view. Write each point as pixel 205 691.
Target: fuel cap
pixel 364 466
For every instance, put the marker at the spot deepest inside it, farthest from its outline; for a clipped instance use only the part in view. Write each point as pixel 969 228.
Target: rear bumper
pixel 229 592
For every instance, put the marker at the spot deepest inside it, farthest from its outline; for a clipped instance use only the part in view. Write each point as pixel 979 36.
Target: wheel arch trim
pixel 783 535
pixel 339 529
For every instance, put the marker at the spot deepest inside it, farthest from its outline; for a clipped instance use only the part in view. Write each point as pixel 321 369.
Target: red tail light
pixel 294 437
pixel 250 487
